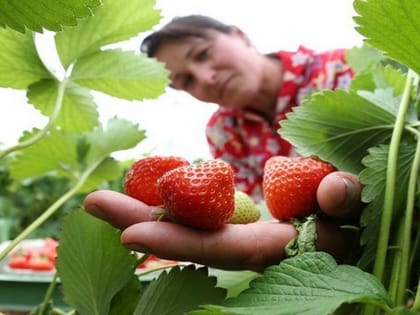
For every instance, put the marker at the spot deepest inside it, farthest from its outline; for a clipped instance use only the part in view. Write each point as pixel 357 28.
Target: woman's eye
pixel 202 55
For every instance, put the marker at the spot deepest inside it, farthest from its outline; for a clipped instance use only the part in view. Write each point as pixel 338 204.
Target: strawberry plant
pixel 371 130
pixel 74 144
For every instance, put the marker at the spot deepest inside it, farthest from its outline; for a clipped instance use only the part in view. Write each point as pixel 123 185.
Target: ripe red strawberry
pixel 141 178
pixel 41 263
pixel 19 262
pixel 290 185
pixel 200 195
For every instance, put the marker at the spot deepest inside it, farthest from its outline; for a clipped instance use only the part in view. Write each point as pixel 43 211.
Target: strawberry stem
pixel 416 305
pixel 395 276
pixel 158 212
pixel 40 134
pixel 408 223
pixel 50 210
pixel 48 295
pixel 386 219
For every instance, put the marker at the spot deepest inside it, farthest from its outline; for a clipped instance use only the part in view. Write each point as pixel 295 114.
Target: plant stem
pixel 48 295
pixel 416 304
pixel 50 211
pixel 385 225
pixel 39 135
pixel 415 248
pixel 408 224
pixel 395 277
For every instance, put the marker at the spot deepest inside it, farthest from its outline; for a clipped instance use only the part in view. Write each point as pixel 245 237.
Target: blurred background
pixel 175 122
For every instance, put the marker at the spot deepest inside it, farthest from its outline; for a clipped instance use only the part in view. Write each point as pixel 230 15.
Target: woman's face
pixel 224 68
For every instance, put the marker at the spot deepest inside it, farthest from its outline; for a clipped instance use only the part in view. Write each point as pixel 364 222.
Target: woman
pixel 217 63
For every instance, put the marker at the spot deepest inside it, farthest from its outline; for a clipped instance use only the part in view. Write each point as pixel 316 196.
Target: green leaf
pixel 381 77
pixel 108 170
pixel 54 154
pixel 118 134
pixel 48 14
pixel 390 77
pixel 125 301
pixel 179 291
pixel 57 153
pixel 373 177
pixel 384 98
pixel 364 58
pixel 210 310
pixel 311 283
pixel 393 27
pixel 339 127
pixel 117 21
pixel 404 310
pixel 122 74
pixel 234 281
pixel 92 264
pixel 78 111
pixel 20 64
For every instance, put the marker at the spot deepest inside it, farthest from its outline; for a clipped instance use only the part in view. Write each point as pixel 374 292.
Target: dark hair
pixel 179 28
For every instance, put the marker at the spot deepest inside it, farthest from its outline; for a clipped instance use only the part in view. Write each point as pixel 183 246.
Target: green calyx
pixel 305 241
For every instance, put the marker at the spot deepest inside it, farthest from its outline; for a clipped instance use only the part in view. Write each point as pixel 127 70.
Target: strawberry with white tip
pixel 246 211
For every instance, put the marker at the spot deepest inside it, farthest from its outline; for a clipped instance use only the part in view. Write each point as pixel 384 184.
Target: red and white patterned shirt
pixel 246 140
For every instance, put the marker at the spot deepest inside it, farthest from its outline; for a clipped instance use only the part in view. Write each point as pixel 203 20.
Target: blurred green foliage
pixel 24 201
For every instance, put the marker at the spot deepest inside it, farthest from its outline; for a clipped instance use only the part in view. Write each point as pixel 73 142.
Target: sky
pixel 175 122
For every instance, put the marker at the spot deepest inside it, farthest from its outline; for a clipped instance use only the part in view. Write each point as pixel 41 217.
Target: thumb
pixel 339 195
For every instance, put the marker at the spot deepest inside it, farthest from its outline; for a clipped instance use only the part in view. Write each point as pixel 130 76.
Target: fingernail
pixel 350 199
pixel 97 212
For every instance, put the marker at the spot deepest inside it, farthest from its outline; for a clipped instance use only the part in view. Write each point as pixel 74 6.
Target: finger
pixel 118 209
pixel 235 246
pixel 339 195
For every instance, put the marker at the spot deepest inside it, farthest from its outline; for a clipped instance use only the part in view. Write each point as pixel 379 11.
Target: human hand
pixel 339 195
pixel 235 246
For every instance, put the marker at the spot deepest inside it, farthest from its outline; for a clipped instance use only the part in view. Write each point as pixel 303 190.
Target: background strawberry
pixel 141 178
pixel 246 211
pixel 290 185
pixel 41 257
pixel 200 195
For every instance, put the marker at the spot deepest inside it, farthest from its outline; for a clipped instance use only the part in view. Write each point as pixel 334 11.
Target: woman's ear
pixel 236 31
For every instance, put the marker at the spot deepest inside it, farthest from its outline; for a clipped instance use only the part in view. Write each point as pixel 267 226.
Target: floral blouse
pixel 246 140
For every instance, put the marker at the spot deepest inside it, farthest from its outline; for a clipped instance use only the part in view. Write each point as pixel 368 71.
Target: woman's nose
pixel 205 75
